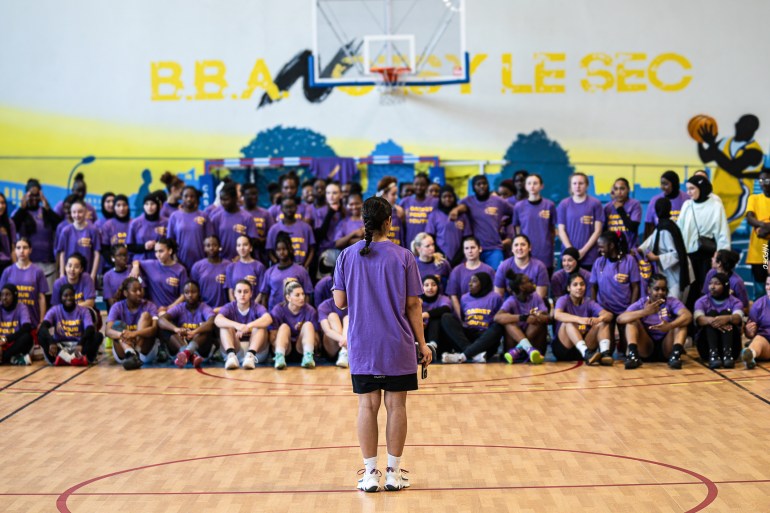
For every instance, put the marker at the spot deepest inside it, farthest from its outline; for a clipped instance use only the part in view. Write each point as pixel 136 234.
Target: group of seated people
pixel 251 284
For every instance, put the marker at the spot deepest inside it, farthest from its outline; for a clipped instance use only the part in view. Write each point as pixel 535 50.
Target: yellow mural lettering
pixel 261 78
pixel 165 81
pixel 542 73
pixel 507 76
pixel 212 73
pixel 474 64
pixel 626 73
pixel 603 80
pixel 659 61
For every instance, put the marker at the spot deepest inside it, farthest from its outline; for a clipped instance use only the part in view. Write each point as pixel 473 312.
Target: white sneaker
pixel 231 362
pixel 250 361
pixel 395 480
pixel 452 358
pixel 370 482
pixel 479 358
pixel 342 358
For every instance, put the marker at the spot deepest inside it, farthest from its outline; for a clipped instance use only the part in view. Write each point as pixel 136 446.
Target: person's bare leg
pixel 395 430
pixel 368 407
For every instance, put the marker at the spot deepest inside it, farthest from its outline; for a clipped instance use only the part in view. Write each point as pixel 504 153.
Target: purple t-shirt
pixel 272 282
pixel 86 242
pixel 114 232
pixel 760 313
pixel 514 306
pixel 391 271
pixel 319 214
pixel 707 303
pixel 449 237
pixel 486 219
pixel 441 270
pixel 167 209
pixel 460 277
pixel 588 308
pixel 213 281
pixel 329 307
pixel 537 221
pixel 535 270
pixel 578 220
pixel 614 223
pixel 396 232
pixel 304 211
pixel 737 286
pixel 441 301
pixel 121 312
pixel 189 230
pixel 302 238
pixel 346 227
pixel 84 289
pixel 416 214
pixel 182 317
pixel 614 280
pixel 164 283
pixel 112 281
pixel 229 226
pixel 141 230
pixel 676 207
pixel 252 272
pixel 262 220
pixel 282 315
pixel 30 283
pixel 68 326
pixel 230 311
pixel 323 290
pixel 479 312
pixel 560 278
pixel 667 312
pixel 42 239
pixel 10 322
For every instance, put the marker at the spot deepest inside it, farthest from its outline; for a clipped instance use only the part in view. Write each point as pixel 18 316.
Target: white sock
pixel 604 345
pixel 370 464
pixel 394 462
pixel 582 347
pixel 524 344
pixel 753 353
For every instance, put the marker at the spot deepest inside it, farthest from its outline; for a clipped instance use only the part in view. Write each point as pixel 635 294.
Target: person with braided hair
pixel 379 283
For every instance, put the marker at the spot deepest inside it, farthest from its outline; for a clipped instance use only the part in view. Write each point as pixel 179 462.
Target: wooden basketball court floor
pixel 557 437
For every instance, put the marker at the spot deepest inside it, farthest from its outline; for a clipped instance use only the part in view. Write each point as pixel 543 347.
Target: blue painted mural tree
pixel 537 153
pixel 282 142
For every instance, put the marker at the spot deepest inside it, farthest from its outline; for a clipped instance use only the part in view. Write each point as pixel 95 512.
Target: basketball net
pixel 391 84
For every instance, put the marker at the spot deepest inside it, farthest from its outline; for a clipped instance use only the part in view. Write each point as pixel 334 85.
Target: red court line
pixel 712 491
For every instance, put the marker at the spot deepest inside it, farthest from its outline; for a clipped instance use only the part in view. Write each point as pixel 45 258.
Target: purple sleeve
pixel 561 303
pixel 634 275
pixel 466 225
pixel 701 303
pixel 152 308
pixel 676 305
pixel 506 208
pixel 50 317
pixel 509 306
pixel 170 232
pixel 227 311
pixel 96 238
pixel 183 278
pixel 272 233
pixel 736 304
pixel 650 217
pixel 207 311
pixel 42 283
pixel 542 277
pixel 310 237
pixel 596 309
pixel 85 315
pixel 500 274
pixel 598 212
pixel 413 282
pixel 264 284
pixel 755 313
pixel 307 283
pixel 89 291
pixel 452 287
pixel 636 212
pixel 115 312
pixel 636 306
pixel 741 293
pixel 251 227
pixel 277 317
pixel 55 300
pixel 540 303
pixel 173 313
pixel 339 273
pixel 430 226
pixel 561 213
pixel 594 275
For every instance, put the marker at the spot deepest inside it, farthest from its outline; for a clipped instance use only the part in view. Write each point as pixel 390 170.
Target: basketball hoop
pixel 391 84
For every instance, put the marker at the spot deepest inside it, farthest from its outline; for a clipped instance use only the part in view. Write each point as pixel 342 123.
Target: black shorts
pixel 366 383
pixel 657 352
pixel 563 354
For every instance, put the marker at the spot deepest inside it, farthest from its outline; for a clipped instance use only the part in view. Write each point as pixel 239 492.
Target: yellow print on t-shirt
pixel 490 211
pixel 587 219
pixel 239 228
pixel 200 220
pixel 418 215
pixel 70 329
pixel 172 281
pixel 615 223
pixel 25 294
pixel 189 325
pixel 394 234
pixel 259 223
pixel 9 327
pixel 297 243
pixel 84 242
pixel 160 230
pixel 477 317
pixel 119 238
pixel 220 278
pixel 544 214
pixel 251 279
pixel 621 278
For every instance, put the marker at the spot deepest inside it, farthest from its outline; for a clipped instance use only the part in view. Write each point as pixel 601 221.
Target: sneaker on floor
pixel 80 361
pixel 370 482
pixel 395 479
pixel 197 361
pixel 280 361
pixel 132 361
pixel 451 358
pixel 250 361
pixel 163 356
pixel 307 361
pixel 748 358
pixel 606 358
pixel 342 358
pixel 479 358
pixel 633 361
pixel 181 358
pixel 592 356
pixel 535 356
pixel 675 362
pixel 60 362
pixel 516 355
pixel 621 357
pixel 231 362
pixel 26 358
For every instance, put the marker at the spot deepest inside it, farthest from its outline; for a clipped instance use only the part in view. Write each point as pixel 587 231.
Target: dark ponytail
pixel 375 212
pixel 617 239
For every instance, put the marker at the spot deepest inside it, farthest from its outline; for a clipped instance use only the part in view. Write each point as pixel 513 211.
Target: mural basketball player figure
pixel 738 161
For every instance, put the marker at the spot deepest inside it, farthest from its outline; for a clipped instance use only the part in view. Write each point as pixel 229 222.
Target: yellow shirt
pixel 760 205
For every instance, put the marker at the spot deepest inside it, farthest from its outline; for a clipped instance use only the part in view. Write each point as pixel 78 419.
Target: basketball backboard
pixel 352 39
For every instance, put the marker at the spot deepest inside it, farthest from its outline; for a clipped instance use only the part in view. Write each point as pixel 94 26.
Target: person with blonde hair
pixel 294 322
pixel 429 262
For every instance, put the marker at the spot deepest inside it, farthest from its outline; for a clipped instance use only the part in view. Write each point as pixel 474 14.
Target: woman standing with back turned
pixel 380 284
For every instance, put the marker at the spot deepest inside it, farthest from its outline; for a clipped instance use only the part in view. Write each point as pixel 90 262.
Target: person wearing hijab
pixel 719 316
pixel 108 209
pixel 669 187
pixel 434 306
pixel 15 328
pixel 448 234
pixel 704 228
pixel 147 229
pixel 665 249
pixel 478 333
